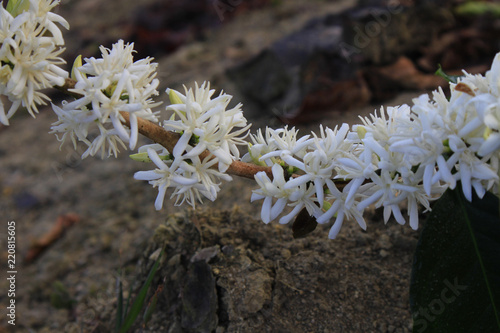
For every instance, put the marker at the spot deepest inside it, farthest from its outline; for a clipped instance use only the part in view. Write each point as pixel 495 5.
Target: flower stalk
pixel 169 139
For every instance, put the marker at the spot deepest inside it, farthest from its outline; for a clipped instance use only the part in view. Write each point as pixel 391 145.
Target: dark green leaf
pixel 455 283
pixel 151 306
pixel 304 224
pixel 119 310
pixel 138 304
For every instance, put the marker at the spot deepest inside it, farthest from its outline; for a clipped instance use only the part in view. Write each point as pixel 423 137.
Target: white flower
pixel 71 123
pixel 493 76
pixel 338 206
pixel 283 141
pixel 109 85
pixel 259 147
pixel 163 177
pixel 205 124
pixel 301 197
pixel 319 163
pixel 276 191
pixel 30 45
pixel 471 170
pixel 270 190
pixel 190 180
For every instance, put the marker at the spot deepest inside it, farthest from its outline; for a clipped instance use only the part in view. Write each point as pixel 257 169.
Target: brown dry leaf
pixel 464 88
pixel 63 222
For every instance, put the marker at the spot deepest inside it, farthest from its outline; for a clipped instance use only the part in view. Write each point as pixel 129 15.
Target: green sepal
pixel 174 99
pixel 255 159
pixel 77 63
pixel 449 78
pixel 361 131
pixel 143 157
pixel 16 7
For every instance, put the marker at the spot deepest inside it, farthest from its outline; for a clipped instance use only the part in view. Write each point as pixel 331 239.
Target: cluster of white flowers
pixel 204 125
pixel 30 45
pixel 108 86
pixel 405 155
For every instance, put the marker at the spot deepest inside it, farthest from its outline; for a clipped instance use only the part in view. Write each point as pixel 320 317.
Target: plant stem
pixel 169 139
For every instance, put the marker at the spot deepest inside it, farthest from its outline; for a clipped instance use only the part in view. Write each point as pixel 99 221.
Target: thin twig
pixel 169 139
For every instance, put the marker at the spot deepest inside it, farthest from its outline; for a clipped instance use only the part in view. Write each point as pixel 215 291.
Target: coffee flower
pixel 403 156
pixel 209 136
pixel 190 181
pixel 30 45
pixel 205 124
pixel 109 85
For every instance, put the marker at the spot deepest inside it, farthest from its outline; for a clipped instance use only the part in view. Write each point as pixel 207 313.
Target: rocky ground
pixel 251 277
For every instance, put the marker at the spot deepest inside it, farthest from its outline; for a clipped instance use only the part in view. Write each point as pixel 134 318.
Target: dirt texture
pixel 223 270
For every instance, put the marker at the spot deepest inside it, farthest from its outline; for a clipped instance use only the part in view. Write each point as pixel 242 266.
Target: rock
pixel 362 55
pixel 379 34
pixel 244 291
pixel 264 78
pixel 163 27
pixel 199 299
pixel 206 254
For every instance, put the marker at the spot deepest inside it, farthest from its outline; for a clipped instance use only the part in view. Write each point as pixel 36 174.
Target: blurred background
pixel 296 63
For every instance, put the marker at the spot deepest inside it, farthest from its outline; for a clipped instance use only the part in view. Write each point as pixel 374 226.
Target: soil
pixel 223 270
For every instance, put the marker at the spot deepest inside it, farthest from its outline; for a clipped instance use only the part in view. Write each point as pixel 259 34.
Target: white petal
pixel 161 196
pixel 278 207
pixel 288 217
pixel 181 145
pixel 334 231
pixel 266 210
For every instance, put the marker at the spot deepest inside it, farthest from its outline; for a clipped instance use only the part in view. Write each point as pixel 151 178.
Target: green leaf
pixel 455 284
pixel 148 313
pixel 119 310
pixel 478 8
pixel 449 78
pixel 138 304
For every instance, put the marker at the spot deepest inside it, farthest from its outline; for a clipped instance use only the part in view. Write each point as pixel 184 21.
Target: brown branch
pixel 168 140
pixel 154 132
pixel 68 84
